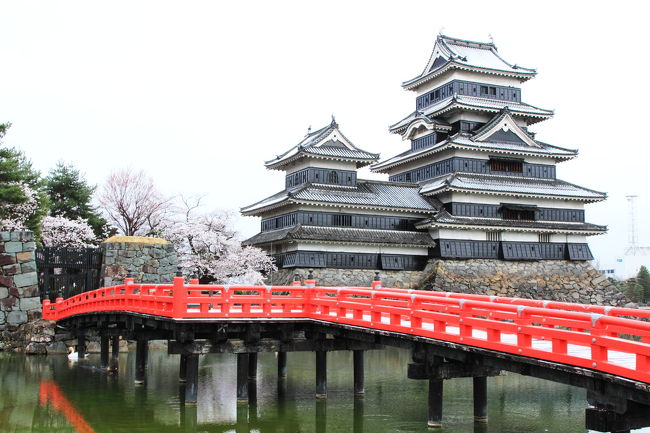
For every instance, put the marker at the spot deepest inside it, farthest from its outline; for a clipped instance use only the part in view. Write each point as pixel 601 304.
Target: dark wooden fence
pixel 64 271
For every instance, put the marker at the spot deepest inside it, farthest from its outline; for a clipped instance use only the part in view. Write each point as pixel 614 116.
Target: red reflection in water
pixel 51 393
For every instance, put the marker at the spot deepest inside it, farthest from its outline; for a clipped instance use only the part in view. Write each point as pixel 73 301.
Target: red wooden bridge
pixel 604 349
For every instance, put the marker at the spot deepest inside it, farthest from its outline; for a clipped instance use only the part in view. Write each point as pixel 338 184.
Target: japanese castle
pixel 475 183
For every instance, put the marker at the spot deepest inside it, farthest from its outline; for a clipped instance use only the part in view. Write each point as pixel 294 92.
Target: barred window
pixel 493 236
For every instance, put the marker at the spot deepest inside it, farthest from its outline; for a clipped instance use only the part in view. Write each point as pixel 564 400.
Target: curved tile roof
pixel 509 186
pixel 344 235
pixel 367 194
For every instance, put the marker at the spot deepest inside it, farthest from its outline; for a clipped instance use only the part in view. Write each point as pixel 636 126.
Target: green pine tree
pixel 643 280
pixel 71 196
pixel 16 171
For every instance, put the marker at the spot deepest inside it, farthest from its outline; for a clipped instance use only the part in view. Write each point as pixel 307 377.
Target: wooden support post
pixel 435 403
pixel 282 365
pixel 242 378
pixel 321 374
pixel 252 366
pixel 115 346
pixel 191 379
pixel 480 399
pixel 103 348
pixel 357 422
pixel 358 372
pixel 182 369
pixel 81 345
pixel 141 353
pixel 321 416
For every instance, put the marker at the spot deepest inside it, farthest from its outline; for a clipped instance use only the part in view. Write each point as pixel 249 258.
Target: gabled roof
pixel 510 186
pixel 465 141
pixel 503 128
pixel 368 194
pixel 452 53
pixel 325 143
pixel 473 103
pixel 343 235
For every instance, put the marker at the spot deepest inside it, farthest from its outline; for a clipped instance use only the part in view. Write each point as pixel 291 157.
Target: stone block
pixel 5 236
pixel 36 349
pixel 29 246
pixel 13 247
pixel 28 267
pixel 25 256
pixel 4 292
pixel 57 348
pixel 14 236
pixel 30 304
pixel 8 303
pixel 29 279
pixel 28 292
pixel 11 269
pixel 6 281
pixel 7 259
pixel 15 318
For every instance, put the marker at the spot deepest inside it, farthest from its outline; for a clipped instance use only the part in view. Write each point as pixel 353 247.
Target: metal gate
pixel 66 271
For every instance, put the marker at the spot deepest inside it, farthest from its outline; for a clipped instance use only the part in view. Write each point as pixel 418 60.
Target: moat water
pixel 49 394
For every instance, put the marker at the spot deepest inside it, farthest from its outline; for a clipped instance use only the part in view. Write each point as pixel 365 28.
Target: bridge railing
pixel 572 334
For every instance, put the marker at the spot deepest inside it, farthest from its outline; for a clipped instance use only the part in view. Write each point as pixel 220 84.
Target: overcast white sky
pixel 200 93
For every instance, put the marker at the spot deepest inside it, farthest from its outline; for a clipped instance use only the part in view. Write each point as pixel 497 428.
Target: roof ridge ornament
pixel 334 124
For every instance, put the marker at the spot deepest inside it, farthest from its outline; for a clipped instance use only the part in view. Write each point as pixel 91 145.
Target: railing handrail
pixel 474 320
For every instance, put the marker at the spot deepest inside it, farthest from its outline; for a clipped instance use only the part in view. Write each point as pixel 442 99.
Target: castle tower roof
pixel 453 53
pixel 325 143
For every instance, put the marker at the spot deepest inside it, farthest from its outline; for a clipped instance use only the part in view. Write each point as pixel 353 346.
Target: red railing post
pixel 180 296
pixel 46 309
pixel 376 283
pixel 598 351
pixel 524 340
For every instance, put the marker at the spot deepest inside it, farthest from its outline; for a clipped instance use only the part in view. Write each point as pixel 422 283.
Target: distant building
pixel 474 183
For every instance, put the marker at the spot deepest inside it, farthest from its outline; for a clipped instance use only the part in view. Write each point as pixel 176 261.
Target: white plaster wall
pixel 478 235
pixel 462 197
pixel 320 163
pixel 519 237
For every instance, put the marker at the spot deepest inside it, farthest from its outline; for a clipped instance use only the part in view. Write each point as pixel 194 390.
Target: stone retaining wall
pixel 19 297
pixel 150 260
pixel 567 281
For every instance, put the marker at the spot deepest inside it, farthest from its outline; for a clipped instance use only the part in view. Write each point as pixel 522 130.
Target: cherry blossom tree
pixel 17 215
pixel 131 202
pixel 206 243
pixel 59 231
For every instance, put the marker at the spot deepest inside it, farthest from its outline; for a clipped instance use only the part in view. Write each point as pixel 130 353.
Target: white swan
pixel 73 355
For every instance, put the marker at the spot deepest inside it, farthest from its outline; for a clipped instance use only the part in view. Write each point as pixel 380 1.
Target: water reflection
pixel 46 395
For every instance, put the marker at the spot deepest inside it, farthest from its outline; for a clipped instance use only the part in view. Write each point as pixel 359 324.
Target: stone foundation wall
pixel 566 281
pixel 559 280
pixel 349 277
pixel 19 297
pixel 150 260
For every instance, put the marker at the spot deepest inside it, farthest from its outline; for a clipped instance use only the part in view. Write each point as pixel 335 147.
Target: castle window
pixel 545 237
pixel 493 236
pixel 408 177
pixel 507 165
pixel 333 177
pixel 516 212
pixel 484 90
pixel 436 94
pixel 493 91
pixel 342 220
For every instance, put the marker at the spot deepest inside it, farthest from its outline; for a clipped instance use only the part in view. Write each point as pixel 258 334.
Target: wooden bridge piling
pixel 479 386
pixel 282 365
pixel 81 345
pixel 141 355
pixel 321 374
pixel 182 368
pixel 242 378
pixel 191 379
pixel 252 366
pixel 358 372
pixel 103 351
